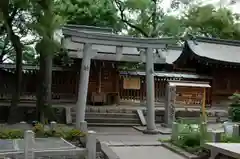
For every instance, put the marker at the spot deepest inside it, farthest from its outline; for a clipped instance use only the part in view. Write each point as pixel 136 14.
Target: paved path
pixel 128 143
pixel 125 135
pixel 144 152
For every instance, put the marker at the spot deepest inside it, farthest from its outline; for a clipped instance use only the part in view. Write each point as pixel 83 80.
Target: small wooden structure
pixel 186 93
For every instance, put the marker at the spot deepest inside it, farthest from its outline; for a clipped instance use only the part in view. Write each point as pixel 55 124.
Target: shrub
pixel 190 140
pixel 73 134
pixel 11 134
pixel 234 110
pixel 40 132
pixel 230 139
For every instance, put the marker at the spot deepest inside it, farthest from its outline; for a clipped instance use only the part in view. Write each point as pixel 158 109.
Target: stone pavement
pixel 125 135
pixel 144 152
pixel 126 143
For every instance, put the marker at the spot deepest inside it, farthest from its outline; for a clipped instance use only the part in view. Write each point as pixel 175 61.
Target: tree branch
pixel 154 19
pixel 121 9
pixel 4 52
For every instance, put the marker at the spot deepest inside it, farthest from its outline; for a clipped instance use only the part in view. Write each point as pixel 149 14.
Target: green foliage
pixel 211 22
pixel 191 135
pixel 101 13
pixel 73 134
pixel 17 12
pixel 234 109
pixel 150 20
pixel 230 139
pixel 190 140
pixel 46 23
pixel 40 132
pixel 68 134
pixel 234 113
pixel 11 134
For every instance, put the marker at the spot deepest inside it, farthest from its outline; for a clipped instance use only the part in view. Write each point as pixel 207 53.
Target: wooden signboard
pixel 189 96
pixel 131 83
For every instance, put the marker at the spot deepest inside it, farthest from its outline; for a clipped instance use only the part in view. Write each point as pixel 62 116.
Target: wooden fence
pixel 139 95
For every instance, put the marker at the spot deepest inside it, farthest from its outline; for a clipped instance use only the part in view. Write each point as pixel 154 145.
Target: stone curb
pixel 138 128
pixel 179 151
pixel 108 152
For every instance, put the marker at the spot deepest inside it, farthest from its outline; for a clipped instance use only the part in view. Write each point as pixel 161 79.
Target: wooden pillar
pixel 204 117
pixel 99 79
pixel 117 89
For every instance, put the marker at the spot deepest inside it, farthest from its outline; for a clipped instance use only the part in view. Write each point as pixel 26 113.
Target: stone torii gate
pixel 90 51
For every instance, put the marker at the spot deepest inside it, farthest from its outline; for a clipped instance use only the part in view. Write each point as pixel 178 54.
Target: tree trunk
pixel 154 19
pixel 14 114
pixel 45 89
pixel 40 91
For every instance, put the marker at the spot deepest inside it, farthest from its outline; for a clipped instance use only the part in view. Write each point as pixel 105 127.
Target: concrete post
pixel 169 114
pixel 235 130
pixel 216 136
pixel 28 144
pixel 83 87
pixel 151 127
pixel 91 145
pixel 68 115
pixel 203 132
pixel 53 125
pixel 174 136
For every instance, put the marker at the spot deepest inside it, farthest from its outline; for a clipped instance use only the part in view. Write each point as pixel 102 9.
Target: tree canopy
pixel 146 18
pixel 182 18
pixel 101 13
pixel 211 22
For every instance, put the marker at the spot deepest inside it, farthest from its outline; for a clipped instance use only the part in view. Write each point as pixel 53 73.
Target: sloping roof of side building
pixel 211 50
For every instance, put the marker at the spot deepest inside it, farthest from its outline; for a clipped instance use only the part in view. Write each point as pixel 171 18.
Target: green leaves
pixel 137 4
pixel 212 22
pixel 46 23
pixel 101 13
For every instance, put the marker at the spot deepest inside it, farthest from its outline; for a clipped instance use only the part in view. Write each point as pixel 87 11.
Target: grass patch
pixel 190 137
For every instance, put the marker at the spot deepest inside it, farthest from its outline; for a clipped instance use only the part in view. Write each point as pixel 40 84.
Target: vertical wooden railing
pixel 139 95
pixel 63 86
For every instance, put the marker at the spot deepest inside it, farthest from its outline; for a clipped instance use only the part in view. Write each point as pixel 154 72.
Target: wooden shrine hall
pixel 214 61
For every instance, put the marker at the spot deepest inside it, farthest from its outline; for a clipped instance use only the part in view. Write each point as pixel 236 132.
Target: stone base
pixel 166 125
pixel 152 132
pixel 83 126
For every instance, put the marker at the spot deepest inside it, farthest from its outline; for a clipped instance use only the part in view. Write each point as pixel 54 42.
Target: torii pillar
pixel 88 53
pixel 151 127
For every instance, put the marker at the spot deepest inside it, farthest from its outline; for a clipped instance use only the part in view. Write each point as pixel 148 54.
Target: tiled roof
pixel 212 50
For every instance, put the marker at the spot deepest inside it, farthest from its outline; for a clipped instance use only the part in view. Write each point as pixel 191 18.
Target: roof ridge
pixel 174 47
pixel 93 28
pixel 217 41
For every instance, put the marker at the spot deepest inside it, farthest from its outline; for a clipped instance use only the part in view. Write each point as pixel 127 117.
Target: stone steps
pixel 111 120
pixel 114 124
pixel 110 115
pixel 121 118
